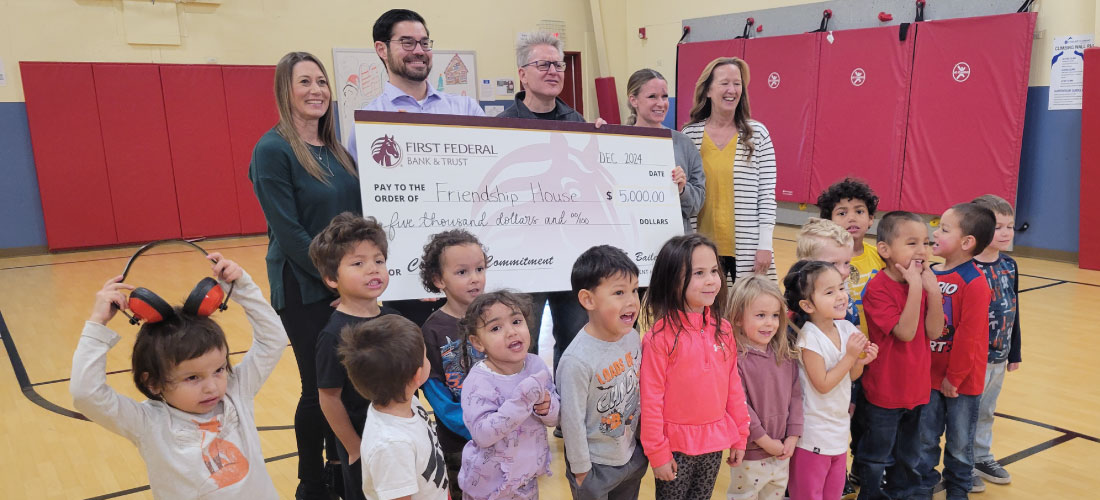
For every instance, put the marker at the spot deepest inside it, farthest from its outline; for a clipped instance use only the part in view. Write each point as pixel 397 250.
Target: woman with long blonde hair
pixel 303 178
pixel 738 212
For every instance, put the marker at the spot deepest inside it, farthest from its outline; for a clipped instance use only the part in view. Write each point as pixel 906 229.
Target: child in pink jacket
pixel 693 404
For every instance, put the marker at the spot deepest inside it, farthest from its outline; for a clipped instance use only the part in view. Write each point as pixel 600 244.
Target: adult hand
pixel 600 122
pixel 679 178
pixel 763 263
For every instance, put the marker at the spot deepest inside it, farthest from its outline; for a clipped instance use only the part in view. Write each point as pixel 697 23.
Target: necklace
pixel 318 154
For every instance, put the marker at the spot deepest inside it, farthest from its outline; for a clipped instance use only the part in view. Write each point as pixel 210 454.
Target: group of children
pixel 765 374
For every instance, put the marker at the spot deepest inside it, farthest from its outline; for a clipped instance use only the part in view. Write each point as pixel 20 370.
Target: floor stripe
pixel 1051 427
pixel 1067 281
pixel 24 380
pixel 1040 287
pixel 140 489
pixel 1046 445
pixel 101 259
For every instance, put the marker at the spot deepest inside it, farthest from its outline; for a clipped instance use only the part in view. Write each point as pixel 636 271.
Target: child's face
pixel 462 273
pixel 613 305
pixel 503 336
pixel 362 273
pixel 909 244
pixel 198 384
pixel 706 279
pixel 829 300
pixel 1004 233
pixel 838 255
pixel 852 215
pixel 760 320
pixel 949 238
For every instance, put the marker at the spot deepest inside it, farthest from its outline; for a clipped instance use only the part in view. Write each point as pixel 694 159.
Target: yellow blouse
pixel 716 217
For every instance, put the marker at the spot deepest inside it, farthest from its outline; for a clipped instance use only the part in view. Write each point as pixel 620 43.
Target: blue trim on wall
pixel 1050 176
pixel 21 222
pixel 670 117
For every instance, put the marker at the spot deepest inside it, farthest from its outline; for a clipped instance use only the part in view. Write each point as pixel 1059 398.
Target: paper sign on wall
pixel 1067 70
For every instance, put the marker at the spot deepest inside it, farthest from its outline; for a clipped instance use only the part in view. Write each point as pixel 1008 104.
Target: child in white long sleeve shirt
pixel 197 431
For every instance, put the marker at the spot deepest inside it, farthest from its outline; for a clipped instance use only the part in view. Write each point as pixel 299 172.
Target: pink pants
pixel 816 477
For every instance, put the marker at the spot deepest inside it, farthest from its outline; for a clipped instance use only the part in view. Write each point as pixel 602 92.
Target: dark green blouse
pixel 297 207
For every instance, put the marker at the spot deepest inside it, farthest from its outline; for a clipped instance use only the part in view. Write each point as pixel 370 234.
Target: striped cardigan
pixel 754 195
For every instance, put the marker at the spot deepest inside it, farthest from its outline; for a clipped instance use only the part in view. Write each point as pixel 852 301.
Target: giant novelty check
pixel 536 193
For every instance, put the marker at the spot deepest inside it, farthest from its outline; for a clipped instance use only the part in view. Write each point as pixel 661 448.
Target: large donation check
pixel 536 193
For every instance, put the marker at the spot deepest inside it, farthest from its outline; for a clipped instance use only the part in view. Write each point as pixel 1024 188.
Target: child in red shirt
pixel 959 356
pixel 904 311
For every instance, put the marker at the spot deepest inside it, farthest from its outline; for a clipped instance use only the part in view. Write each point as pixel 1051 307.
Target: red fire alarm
pixel 641 33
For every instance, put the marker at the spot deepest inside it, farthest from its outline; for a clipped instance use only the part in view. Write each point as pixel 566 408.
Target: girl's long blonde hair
pixel 744 292
pixel 326 126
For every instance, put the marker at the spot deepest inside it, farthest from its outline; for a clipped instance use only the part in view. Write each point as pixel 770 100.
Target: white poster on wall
pixel 1067 71
pixel 455 72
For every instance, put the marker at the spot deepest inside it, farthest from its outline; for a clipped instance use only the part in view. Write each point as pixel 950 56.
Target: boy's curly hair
pixel 849 188
pixel 431 264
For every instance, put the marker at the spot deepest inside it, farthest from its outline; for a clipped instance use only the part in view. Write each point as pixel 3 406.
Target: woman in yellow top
pixel 739 164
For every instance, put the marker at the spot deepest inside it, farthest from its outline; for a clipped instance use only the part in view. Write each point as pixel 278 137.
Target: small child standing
pixel 1003 276
pixel 959 355
pixel 693 403
pixel 197 431
pixel 824 240
pixel 833 354
pixel 851 204
pixel 386 361
pixel 904 311
pixel 508 401
pixel 598 381
pixel 453 263
pixel 350 253
pixel 769 373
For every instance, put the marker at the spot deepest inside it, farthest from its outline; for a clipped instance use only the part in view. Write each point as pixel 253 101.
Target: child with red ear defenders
pixel 197 431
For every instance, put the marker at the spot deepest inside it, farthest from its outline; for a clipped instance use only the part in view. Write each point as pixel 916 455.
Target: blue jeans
pixel 957 418
pixel 889 446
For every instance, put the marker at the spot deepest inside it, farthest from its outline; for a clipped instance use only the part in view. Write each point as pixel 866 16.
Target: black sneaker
pixel 557 432
pixel 993 472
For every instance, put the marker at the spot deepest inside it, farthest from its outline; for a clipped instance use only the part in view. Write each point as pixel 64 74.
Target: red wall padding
pixel 862 103
pixel 783 96
pixel 1089 241
pixel 966 111
pixel 202 158
pixel 68 154
pixel 139 162
pixel 250 101
pixel 691 59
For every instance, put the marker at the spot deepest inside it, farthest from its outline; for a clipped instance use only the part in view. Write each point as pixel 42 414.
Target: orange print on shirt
pixel 225 462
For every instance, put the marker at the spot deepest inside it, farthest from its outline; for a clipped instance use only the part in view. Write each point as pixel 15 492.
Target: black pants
pixel 311 431
pixel 568 316
pixel 729 266
pixel 415 310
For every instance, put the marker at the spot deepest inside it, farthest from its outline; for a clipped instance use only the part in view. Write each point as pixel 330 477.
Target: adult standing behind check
pixel 738 212
pixel 541 64
pixel 303 178
pixel 647 97
pixel 401 42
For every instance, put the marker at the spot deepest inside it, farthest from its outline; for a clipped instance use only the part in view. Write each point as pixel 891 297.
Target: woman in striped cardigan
pixel 739 162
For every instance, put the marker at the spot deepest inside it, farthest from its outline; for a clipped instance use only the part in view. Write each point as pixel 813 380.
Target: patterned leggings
pixel 695 477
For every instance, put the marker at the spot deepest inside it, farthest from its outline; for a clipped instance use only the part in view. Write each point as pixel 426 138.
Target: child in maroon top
pixel 904 311
pixel 959 356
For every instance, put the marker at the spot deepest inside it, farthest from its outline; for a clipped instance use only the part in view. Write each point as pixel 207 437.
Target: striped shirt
pixel 754 195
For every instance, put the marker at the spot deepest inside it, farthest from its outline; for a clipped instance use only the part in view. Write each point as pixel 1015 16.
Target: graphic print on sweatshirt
pixel 452 364
pixel 225 463
pixel 1002 310
pixel 618 400
pixel 436 470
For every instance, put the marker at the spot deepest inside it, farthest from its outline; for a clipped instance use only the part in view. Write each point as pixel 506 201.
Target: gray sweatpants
pixel 608 482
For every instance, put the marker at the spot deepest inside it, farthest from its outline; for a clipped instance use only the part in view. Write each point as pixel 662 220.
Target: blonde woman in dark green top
pixel 303 178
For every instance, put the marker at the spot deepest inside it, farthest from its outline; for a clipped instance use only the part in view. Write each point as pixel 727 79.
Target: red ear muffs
pixel 205 298
pixel 148 307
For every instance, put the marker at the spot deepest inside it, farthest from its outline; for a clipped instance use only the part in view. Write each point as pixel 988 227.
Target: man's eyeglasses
pixel 410 45
pixel 545 65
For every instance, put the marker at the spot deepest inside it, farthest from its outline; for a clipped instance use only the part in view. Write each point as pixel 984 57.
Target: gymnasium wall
pixel 238 32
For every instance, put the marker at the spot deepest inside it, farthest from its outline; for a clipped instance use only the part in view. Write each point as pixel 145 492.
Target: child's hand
pixel 542 408
pixel 108 300
pixel 580 477
pixel 225 269
pixel 912 274
pixel 666 472
pixel 736 457
pixel 869 354
pixel 928 279
pixel 773 446
pixel 855 345
pixel 788 447
pixel 949 390
pixel 530 390
pixel 1013 367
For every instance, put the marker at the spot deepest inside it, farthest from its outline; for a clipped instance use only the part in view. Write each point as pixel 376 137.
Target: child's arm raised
pixel 269 338
pixel 934 318
pixel 489 423
pixel 906 328
pixel 824 380
pixel 88 383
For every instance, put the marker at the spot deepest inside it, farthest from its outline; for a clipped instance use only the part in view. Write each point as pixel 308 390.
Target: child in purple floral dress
pixel 508 401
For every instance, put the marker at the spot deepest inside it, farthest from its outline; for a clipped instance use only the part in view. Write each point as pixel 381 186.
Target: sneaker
pixel 977 485
pixel 993 472
pixel 557 432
